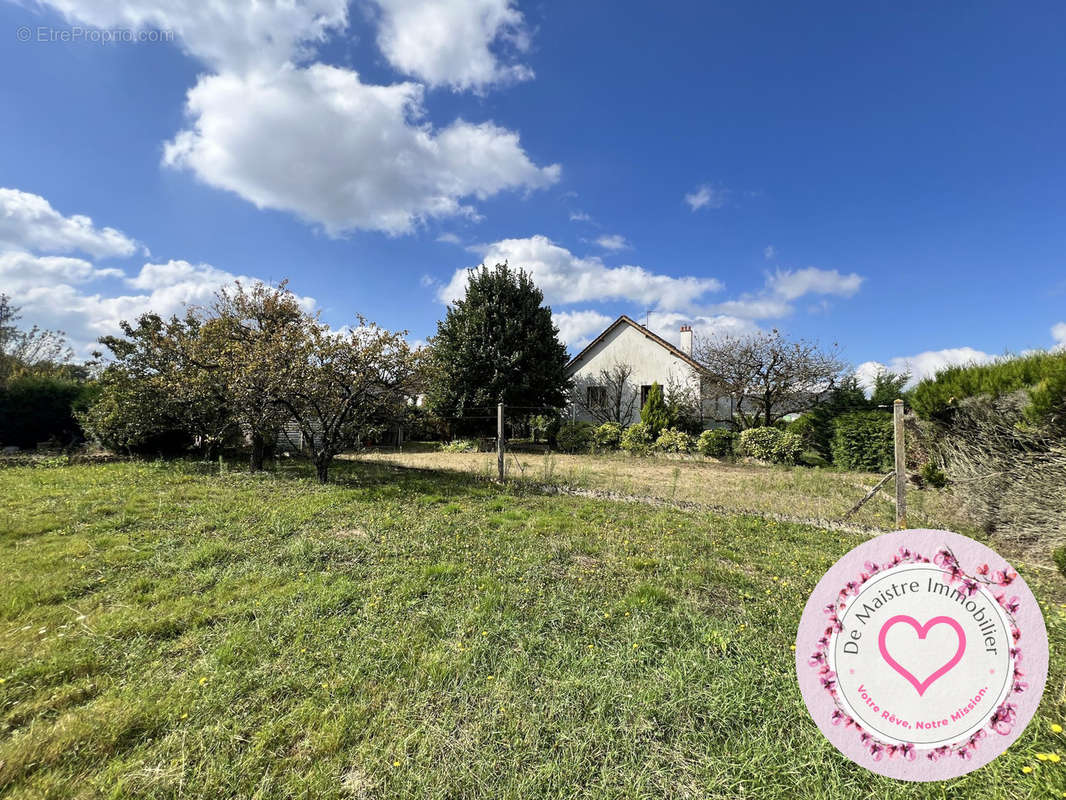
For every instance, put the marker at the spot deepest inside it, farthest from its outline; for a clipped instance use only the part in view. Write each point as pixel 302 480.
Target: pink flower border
pixel 1002 719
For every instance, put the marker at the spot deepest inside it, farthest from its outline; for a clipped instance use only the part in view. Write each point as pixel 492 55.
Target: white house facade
pixel 645 358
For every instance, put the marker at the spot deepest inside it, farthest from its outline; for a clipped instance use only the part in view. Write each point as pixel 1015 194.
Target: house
pixel 613 375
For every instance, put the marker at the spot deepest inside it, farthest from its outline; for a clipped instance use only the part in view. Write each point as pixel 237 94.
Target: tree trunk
pixel 322 469
pixel 255 463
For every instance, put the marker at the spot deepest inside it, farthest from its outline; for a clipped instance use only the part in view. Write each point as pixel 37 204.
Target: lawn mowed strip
pixel 170 630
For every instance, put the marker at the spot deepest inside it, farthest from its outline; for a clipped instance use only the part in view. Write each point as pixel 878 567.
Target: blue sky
pixel 891 179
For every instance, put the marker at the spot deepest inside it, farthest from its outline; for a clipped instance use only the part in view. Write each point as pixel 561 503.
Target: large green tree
pixel 497 344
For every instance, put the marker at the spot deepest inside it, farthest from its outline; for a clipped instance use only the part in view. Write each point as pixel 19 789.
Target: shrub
pixel 575 437
pixel 1043 374
pixel 655 415
pixel 636 439
pixel 459 446
pixel 770 444
pixel 672 440
pixel 933 476
pixel 844 399
pixel 36 408
pixel 803 426
pixel 862 440
pixel 1058 555
pixel 717 443
pixel 608 436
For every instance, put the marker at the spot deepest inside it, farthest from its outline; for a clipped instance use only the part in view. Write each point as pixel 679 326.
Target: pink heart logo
pixel 921 630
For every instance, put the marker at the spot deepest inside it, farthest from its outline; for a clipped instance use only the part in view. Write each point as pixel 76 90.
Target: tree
pixel 684 405
pixel 340 387
pixel 249 335
pixel 845 398
pixel 655 414
pixel 887 387
pixel 164 379
pixel 768 376
pixel 36 351
pixel 609 396
pixel 497 344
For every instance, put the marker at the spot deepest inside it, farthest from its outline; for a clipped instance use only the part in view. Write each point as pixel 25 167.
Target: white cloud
pixel 774 300
pixel 20 271
pixel 706 196
pixel 28 222
pixel 791 284
pixel 769 252
pixel 58 298
pixel 567 278
pixel 456 43
pixel 706 326
pixel 579 216
pixel 235 34
pixel 320 143
pixel 922 365
pixel 1058 333
pixel 577 327
pixel 754 307
pixel 613 242
pixel 449 238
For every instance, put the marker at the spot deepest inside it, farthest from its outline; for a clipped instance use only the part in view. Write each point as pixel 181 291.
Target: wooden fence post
pixel 901 464
pixel 499 440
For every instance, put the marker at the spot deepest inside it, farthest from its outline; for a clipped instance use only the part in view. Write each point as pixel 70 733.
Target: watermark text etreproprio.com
pixel 51 34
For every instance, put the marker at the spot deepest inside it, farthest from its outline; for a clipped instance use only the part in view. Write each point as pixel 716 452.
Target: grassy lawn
pixel 818 494
pixel 170 631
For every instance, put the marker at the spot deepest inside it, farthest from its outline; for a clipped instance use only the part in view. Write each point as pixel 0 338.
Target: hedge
pixel 862 441
pixel 35 409
pixel 1044 374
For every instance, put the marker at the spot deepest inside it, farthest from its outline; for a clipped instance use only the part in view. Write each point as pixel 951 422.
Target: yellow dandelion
pixel 185 715
pixel 490 677
pixel 203 681
pixel 1056 728
pixel 1041 756
pixel 396 763
pixel 325 685
pixel 1027 769
pixel 1054 758
pixel 635 645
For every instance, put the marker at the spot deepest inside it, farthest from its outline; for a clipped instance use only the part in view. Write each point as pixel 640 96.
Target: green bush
pixel 1059 557
pixel 459 446
pixel 655 415
pixel 933 476
pixel 803 426
pixel 844 399
pixel 717 443
pixel 672 440
pixel 608 436
pixel 37 408
pixel 862 441
pixel 1043 374
pixel 636 439
pixel 575 437
pixel 770 444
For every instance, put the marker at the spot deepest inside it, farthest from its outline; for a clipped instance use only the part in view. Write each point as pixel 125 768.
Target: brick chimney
pixel 686 340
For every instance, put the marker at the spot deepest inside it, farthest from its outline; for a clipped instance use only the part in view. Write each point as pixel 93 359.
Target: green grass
pixel 169 631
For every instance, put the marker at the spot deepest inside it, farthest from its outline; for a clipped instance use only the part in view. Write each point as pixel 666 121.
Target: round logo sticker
pixel 921 655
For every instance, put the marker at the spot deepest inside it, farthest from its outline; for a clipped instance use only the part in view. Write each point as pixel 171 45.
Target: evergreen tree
pixel 497 344
pixel 655 415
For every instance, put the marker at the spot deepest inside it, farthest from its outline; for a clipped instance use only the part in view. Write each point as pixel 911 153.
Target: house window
pixel 597 396
pixel 644 392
